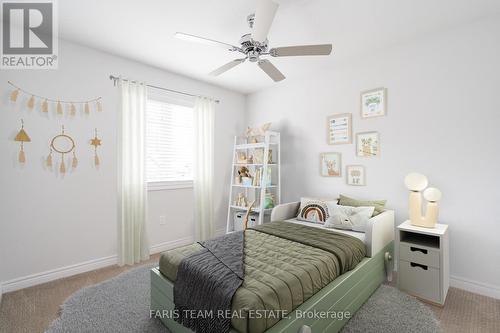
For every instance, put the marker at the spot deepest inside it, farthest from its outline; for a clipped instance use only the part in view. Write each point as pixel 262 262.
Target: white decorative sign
pixel 340 129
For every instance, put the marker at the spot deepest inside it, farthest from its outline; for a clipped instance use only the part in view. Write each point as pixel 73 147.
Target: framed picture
pixel 339 129
pixel 356 175
pixel 367 144
pixel 374 103
pixel 331 165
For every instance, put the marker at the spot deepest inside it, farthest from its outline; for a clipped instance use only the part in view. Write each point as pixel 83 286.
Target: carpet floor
pixel 121 304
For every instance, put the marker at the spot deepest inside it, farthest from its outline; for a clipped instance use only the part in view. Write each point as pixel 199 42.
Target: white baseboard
pixel 475 287
pixel 59 273
pixel 170 245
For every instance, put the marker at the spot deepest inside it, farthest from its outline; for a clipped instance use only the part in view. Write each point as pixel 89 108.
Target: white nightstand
pixel 423 267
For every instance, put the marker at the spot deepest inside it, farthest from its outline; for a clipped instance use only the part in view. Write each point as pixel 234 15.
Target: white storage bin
pixel 238 220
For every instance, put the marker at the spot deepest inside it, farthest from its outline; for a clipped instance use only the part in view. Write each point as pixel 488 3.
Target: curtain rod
pixel 115 79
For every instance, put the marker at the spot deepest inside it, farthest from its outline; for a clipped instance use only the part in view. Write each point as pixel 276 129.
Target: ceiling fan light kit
pixel 255 45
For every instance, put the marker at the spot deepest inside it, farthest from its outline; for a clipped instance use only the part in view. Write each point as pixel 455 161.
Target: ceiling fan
pixel 255 45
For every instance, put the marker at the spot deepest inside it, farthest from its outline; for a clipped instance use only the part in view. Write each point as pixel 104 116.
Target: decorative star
pixel 95 142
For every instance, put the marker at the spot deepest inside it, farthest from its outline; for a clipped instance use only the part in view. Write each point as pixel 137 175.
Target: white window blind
pixel 169 142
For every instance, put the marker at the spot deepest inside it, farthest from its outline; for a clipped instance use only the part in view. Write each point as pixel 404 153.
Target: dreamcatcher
pixel 62 144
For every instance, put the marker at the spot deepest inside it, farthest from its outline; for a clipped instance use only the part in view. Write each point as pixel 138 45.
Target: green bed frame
pixel 346 293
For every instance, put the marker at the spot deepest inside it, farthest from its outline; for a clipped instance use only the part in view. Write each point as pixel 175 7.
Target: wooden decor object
pixel 96 142
pixel 22 137
pixel 62 144
pixel 245 219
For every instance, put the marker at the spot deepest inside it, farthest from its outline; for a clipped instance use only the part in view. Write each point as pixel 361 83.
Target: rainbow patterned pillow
pixel 313 210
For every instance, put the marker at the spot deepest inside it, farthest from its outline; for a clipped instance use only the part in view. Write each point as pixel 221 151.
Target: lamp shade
pixel 416 181
pixel 432 194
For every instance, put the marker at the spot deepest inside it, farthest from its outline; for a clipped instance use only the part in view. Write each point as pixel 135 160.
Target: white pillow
pixel 348 218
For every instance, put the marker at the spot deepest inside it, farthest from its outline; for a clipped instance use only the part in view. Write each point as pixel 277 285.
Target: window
pixel 169 144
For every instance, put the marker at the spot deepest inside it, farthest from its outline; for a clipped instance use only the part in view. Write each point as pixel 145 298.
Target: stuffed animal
pixel 257 131
pixel 244 172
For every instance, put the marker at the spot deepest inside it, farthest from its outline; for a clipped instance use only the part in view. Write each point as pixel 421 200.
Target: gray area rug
pixel 389 310
pixel 121 304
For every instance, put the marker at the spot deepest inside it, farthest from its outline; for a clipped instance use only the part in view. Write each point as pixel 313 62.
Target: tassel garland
pixel 45 106
pixel 14 94
pixel 32 99
pixel 59 108
pixel 96 160
pixel 31 102
pixel 72 109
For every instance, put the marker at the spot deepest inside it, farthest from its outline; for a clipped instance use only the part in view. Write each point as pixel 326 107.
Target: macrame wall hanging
pixel 45 102
pixel 62 144
pixel 22 137
pixel 96 142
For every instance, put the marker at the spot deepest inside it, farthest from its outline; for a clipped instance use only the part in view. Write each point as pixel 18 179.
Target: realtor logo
pixel 29 35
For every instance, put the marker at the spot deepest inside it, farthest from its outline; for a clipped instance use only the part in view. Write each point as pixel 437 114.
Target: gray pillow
pixel 378 204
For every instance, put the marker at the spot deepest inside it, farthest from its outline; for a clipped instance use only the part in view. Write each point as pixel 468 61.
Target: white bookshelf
pixel 270 142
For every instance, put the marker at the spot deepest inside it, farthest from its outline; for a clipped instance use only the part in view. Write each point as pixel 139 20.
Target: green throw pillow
pixel 378 204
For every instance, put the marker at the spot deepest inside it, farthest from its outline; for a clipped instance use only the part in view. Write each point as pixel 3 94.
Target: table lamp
pixel 416 183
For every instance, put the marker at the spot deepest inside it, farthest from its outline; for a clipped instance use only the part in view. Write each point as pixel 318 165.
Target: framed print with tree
pixel 374 103
pixel 339 129
pixel 367 144
pixel 330 164
pixel 356 175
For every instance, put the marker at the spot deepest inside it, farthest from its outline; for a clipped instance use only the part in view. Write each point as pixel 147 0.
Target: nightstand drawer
pixel 419 254
pixel 419 280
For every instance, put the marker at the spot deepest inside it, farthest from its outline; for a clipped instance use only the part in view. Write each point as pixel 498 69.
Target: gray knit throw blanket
pixel 206 282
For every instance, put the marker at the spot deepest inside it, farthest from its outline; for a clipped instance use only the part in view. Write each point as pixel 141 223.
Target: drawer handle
pixel 414 264
pixel 414 249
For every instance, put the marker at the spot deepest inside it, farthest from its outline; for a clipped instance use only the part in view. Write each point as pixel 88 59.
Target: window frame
pixel 165 97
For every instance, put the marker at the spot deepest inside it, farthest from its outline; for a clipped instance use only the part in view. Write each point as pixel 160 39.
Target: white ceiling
pixel 144 30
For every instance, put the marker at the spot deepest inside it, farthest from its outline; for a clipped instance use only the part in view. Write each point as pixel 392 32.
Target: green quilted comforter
pixel 285 264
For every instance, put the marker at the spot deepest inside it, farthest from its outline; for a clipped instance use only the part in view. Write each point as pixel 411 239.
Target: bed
pixel 331 290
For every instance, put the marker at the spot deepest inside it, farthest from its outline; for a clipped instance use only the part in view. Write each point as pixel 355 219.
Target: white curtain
pixel 132 239
pixel 203 173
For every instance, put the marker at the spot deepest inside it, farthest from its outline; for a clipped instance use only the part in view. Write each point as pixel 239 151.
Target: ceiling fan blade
pixel 301 50
pixel 206 41
pixel 270 70
pixel 264 16
pixel 227 67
